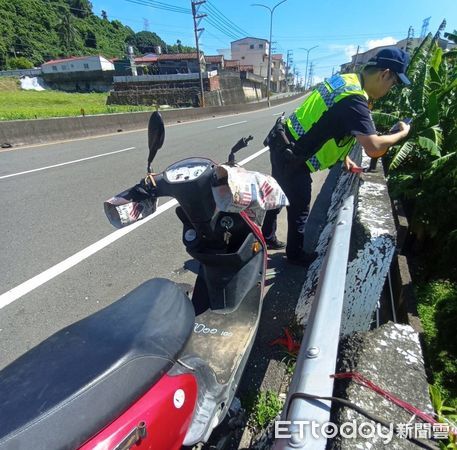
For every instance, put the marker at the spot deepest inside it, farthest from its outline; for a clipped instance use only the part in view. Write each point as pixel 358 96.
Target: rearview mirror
pixel 156 136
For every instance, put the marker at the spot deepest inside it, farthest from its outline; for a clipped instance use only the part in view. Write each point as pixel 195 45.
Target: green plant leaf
pixel 428 144
pixel 432 109
pixel 384 120
pixel 447 89
pixel 437 56
pixel 447 408
pixel 440 162
pixel 434 133
pixel 400 156
pixel 435 80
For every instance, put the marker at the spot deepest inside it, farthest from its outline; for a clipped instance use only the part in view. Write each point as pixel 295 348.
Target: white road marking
pixel 254 156
pixel 66 163
pixel 277 114
pixel 42 278
pixel 231 124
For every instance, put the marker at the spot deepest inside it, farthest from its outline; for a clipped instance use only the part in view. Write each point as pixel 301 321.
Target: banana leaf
pixel 400 156
pixel 440 162
pixel 433 110
pixel 435 80
pixel 385 120
pixel 434 133
pixel 447 89
pixel 436 58
pixel 428 144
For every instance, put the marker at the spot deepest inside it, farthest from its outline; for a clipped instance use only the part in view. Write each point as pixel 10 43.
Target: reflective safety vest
pixel 322 99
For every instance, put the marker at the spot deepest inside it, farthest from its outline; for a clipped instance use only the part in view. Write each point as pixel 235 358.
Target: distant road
pixel 60 259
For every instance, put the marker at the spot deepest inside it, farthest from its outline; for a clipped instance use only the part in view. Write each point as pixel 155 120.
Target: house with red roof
pixel 79 73
pixel 173 63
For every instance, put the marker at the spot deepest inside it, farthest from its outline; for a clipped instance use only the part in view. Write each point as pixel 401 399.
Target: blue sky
pixel 337 27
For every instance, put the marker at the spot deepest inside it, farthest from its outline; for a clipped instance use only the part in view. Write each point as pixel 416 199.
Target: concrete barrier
pixel 26 132
pixel 372 247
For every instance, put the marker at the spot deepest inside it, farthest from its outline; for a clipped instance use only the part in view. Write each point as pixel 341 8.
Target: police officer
pixel 321 132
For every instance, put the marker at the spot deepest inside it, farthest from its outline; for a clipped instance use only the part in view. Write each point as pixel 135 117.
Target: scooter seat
pixel 65 390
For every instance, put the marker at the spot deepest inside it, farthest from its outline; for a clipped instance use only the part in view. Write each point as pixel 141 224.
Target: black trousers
pixel 295 181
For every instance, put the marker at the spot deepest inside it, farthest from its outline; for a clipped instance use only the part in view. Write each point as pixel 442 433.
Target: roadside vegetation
pixel 16 104
pixel 422 172
pixel 35 31
pixel 266 407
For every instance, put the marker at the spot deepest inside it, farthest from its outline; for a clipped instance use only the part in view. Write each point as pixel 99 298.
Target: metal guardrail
pixel 21 72
pixel 317 357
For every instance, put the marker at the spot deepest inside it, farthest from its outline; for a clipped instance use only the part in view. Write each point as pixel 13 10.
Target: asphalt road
pixel 54 265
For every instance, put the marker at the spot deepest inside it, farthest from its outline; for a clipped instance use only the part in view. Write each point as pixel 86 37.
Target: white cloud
pixel 388 40
pixel 351 49
pixel 348 50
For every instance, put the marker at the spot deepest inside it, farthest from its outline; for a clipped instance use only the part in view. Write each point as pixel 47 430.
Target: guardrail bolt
pixel 312 352
pixel 295 441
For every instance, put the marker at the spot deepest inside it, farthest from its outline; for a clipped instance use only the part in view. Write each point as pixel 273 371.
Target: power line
pixel 223 29
pixel 226 29
pixel 223 17
pixel 352 35
pixel 163 6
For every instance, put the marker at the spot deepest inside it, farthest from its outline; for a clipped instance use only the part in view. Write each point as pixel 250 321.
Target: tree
pixel 91 40
pixel 20 63
pixel 66 30
pixel 146 41
pixel 80 8
pixel 104 15
pixel 451 36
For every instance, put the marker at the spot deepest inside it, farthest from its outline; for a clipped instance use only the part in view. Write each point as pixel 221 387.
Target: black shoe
pixel 275 244
pixel 304 260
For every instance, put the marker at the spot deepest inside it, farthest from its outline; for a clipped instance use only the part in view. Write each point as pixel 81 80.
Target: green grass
pixel 437 308
pixel 36 105
pixel 9 84
pixel 266 407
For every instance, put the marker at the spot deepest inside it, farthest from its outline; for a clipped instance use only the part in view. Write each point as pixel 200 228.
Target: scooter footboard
pixel 225 279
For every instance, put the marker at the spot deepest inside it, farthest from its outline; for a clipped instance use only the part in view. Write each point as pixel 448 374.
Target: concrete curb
pixel 39 131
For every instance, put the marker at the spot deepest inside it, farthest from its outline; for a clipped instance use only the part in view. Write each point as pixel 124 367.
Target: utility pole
pixel 145 24
pixel 272 10
pixel 425 27
pixel 307 55
pixel 311 75
pixel 410 39
pixel 198 32
pixel 289 58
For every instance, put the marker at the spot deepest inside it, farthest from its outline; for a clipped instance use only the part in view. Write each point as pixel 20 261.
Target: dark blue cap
pixel 394 59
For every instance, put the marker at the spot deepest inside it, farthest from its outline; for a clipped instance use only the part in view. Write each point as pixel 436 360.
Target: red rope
pixel 360 379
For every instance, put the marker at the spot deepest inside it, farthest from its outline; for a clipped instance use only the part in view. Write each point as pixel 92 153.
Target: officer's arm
pixel 376 146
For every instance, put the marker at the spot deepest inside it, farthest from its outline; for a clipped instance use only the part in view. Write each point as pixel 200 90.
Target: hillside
pixel 34 31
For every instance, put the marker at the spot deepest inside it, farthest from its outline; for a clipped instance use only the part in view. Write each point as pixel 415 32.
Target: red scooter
pixel 156 369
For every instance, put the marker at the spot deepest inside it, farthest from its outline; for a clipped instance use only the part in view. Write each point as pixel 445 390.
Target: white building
pixel 359 60
pixel 251 51
pixel 279 73
pixel 77 64
pixel 82 73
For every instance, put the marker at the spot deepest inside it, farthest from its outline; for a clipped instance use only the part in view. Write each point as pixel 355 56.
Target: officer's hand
pixel 350 165
pixel 403 128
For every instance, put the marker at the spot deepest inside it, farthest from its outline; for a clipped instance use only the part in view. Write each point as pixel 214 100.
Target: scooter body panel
pixel 221 342
pixel 159 420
